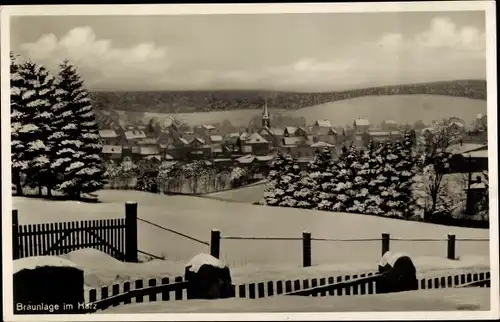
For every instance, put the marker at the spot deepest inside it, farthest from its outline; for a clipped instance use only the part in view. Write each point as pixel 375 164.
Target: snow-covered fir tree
pixel 406 168
pixel 321 170
pixel 79 158
pixel 367 187
pixel 36 107
pixel 19 123
pixel 275 190
pixel 344 189
pixel 292 182
pixel 380 183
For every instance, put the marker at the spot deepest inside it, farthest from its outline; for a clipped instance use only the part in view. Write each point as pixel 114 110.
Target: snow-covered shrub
pixel 238 177
pixel 147 179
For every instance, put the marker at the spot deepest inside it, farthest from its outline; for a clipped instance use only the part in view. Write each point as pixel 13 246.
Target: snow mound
pixel 91 255
pixel 41 261
pixel 391 258
pixel 201 259
pixel 100 269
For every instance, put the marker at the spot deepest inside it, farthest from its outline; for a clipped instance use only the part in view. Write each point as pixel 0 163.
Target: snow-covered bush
pixel 147 178
pixel 238 177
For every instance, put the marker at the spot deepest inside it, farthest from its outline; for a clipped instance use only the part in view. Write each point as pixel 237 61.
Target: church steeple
pixel 265 116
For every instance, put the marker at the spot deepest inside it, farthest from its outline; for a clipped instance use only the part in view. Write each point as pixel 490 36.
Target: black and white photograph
pixel 272 161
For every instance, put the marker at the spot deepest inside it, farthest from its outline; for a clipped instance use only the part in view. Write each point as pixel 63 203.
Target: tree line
pixel 55 141
pixel 177 177
pixel 400 179
pixel 206 101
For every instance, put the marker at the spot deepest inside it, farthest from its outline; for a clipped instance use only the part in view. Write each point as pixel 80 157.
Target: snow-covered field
pixel 197 216
pixel 236 117
pixel 400 108
pixel 428 300
pixel 248 194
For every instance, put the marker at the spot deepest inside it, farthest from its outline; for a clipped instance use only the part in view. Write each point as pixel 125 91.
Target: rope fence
pixel 385 239
pixel 174 232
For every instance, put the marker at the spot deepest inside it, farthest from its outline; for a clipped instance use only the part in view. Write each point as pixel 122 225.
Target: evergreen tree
pixel 406 168
pixel 344 189
pixel 291 181
pixel 379 182
pixel 363 181
pixel 80 155
pixel 276 187
pixel 36 104
pixel 19 123
pixel 321 171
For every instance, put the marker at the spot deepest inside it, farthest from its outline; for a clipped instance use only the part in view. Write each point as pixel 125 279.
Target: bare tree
pixel 435 160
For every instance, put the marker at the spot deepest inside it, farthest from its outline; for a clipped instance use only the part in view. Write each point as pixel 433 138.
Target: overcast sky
pixel 299 52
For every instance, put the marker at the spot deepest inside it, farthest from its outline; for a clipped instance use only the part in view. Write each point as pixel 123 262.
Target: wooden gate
pixel 115 237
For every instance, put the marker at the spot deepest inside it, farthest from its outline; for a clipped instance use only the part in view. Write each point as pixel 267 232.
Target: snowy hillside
pixel 400 108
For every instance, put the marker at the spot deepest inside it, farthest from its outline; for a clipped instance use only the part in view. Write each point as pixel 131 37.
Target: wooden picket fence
pixel 347 285
pixel 116 237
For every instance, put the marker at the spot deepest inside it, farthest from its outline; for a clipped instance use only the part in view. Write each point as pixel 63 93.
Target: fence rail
pixel 216 237
pixel 344 285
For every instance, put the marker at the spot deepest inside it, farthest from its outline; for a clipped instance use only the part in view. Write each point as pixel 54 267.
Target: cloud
pixel 444 50
pixel 99 59
pixel 444 34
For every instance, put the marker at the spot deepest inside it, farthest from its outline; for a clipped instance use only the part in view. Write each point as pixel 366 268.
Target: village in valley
pixel 149 170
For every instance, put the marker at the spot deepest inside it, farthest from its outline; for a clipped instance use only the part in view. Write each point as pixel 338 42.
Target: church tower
pixel 265 117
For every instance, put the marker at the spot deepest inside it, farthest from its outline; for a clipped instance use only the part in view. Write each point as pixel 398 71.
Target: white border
pixel 487 6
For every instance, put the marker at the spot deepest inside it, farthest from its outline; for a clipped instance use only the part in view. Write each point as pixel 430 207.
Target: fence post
pixel 386 238
pixel 131 232
pixel 15 237
pixel 215 243
pixel 451 246
pixel 306 249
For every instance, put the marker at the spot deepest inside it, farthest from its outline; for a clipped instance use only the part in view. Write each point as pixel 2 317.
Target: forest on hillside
pixel 207 101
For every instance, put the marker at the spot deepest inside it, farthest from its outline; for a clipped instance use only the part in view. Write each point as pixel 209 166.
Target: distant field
pixel 197 216
pixel 400 108
pixel 236 117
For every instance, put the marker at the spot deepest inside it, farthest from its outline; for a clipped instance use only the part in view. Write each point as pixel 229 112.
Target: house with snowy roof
pixel 361 125
pixel 109 137
pixel 322 124
pixel 456 127
pixel 204 131
pixel 291 131
pixel 142 152
pixel 135 135
pixel 381 136
pixel 298 147
pixel 326 134
pixel 255 144
pixel 273 135
pixel 112 152
pixel 389 125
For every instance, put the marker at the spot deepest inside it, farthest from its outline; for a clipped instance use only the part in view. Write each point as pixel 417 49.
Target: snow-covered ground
pixel 197 216
pixel 247 194
pixel 428 300
pixel 103 270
